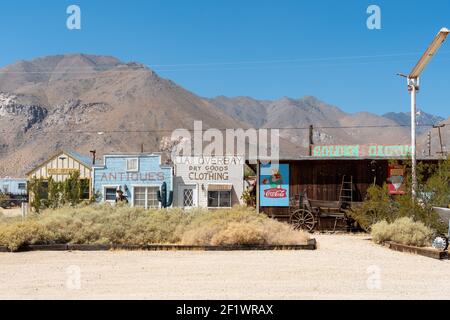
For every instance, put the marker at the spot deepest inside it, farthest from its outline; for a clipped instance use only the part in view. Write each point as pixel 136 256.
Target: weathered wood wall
pixel 322 179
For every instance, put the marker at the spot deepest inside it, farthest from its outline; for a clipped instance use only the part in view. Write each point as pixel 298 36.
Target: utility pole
pixel 439 126
pixel 413 87
pixel 93 152
pixel 429 143
pixel 311 139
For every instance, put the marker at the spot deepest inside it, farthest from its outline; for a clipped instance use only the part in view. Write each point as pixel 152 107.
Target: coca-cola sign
pixel 275 193
pixel 274 185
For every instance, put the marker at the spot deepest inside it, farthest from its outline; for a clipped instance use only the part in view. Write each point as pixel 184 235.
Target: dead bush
pixel 104 224
pixel 404 231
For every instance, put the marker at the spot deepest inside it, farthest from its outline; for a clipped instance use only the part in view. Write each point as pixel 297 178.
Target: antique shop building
pixel 138 176
pixel 208 181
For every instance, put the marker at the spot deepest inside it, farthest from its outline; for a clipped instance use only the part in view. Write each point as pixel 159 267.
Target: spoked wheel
pixel 303 219
pixel 440 241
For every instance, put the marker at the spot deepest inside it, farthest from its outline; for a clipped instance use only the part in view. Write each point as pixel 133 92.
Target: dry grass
pixel 103 224
pixel 404 230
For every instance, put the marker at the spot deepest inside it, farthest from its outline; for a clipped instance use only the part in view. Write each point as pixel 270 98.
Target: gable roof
pixel 84 160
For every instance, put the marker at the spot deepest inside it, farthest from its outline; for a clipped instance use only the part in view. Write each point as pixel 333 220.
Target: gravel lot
pixel 344 267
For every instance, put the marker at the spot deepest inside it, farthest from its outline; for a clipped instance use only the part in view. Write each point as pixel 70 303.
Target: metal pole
pixel 413 83
pixel 311 139
pixel 257 185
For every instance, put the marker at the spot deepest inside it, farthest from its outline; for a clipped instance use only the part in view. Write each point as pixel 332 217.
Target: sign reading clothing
pixel 274 185
pixel 210 169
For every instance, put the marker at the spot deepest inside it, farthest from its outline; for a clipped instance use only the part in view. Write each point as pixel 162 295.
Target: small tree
pixel 37 193
pixel 72 189
pixel 433 190
pixel 3 200
pixel 54 193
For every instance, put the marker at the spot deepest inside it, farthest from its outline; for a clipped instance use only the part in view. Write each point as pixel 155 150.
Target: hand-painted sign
pixel 359 151
pixel 209 169
pixel 132 176
pixel 61 171
pixel 396 179
pixel 274 185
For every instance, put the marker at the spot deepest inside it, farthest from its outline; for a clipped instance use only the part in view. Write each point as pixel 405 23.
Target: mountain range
pixel 86 102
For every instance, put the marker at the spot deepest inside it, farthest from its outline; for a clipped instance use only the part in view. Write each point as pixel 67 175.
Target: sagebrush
pixel 105 224
pixel 403 230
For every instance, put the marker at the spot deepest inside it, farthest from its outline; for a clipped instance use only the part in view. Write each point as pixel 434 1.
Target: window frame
pixel 127 161
pixel 218 199
pixel 104 192
pixel 146 187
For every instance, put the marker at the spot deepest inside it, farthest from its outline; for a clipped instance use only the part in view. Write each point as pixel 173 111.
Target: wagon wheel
pixel 303 219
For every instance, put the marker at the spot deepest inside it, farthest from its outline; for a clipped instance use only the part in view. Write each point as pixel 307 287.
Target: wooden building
pixel 325 173
pixel 61 165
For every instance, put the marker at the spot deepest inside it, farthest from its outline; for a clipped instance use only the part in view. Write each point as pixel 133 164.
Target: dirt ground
pixel 344 267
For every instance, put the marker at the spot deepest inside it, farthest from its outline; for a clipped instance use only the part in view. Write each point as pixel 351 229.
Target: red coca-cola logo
pixel 275 193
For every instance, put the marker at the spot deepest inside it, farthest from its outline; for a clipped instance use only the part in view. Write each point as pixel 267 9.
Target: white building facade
pixel 208 181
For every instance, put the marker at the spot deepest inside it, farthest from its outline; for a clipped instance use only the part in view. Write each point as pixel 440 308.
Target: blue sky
pixel 259 48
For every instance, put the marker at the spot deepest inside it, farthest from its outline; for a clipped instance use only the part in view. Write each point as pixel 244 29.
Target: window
pixel 133 164
pixel 5 188
pixel 85 186
pixel 22 186
pixel 146 197
pixel 219 199
pixel 43 190
pixel 110 194
pixel 188 197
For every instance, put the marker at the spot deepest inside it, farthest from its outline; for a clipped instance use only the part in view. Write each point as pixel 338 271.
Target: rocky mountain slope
pixel 424 120
pixel 87 102
pixel 63 101
pixel 331 124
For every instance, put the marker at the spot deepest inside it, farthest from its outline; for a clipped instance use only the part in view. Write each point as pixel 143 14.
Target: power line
pixel 89 69
pixel 102 132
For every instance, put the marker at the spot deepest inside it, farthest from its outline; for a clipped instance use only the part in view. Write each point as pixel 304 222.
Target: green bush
pixel 433 190
pixel 404 231
pixel 104 224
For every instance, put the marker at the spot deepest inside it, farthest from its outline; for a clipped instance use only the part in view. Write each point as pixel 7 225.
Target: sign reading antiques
pixel 132 176
pixel 360 151
pixel 274 185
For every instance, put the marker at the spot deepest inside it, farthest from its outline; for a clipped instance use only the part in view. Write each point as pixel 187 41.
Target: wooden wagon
pixel 306 214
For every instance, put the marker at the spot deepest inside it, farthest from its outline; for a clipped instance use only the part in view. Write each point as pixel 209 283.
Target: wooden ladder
pixel 346 194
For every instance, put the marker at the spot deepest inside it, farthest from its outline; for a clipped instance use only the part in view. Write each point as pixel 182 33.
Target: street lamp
pixel 413 87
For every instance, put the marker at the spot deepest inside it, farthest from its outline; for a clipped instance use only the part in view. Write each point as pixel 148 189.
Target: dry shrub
pixel 104 224
pixel 240 226
pixel 239 234
pixel 404 231
pixel 30 232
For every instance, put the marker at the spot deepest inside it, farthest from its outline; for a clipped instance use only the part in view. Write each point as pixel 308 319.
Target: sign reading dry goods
pixel 209 169
pixel 274 185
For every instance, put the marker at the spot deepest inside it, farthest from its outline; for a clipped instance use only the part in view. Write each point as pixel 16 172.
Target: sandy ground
pixel 344 267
